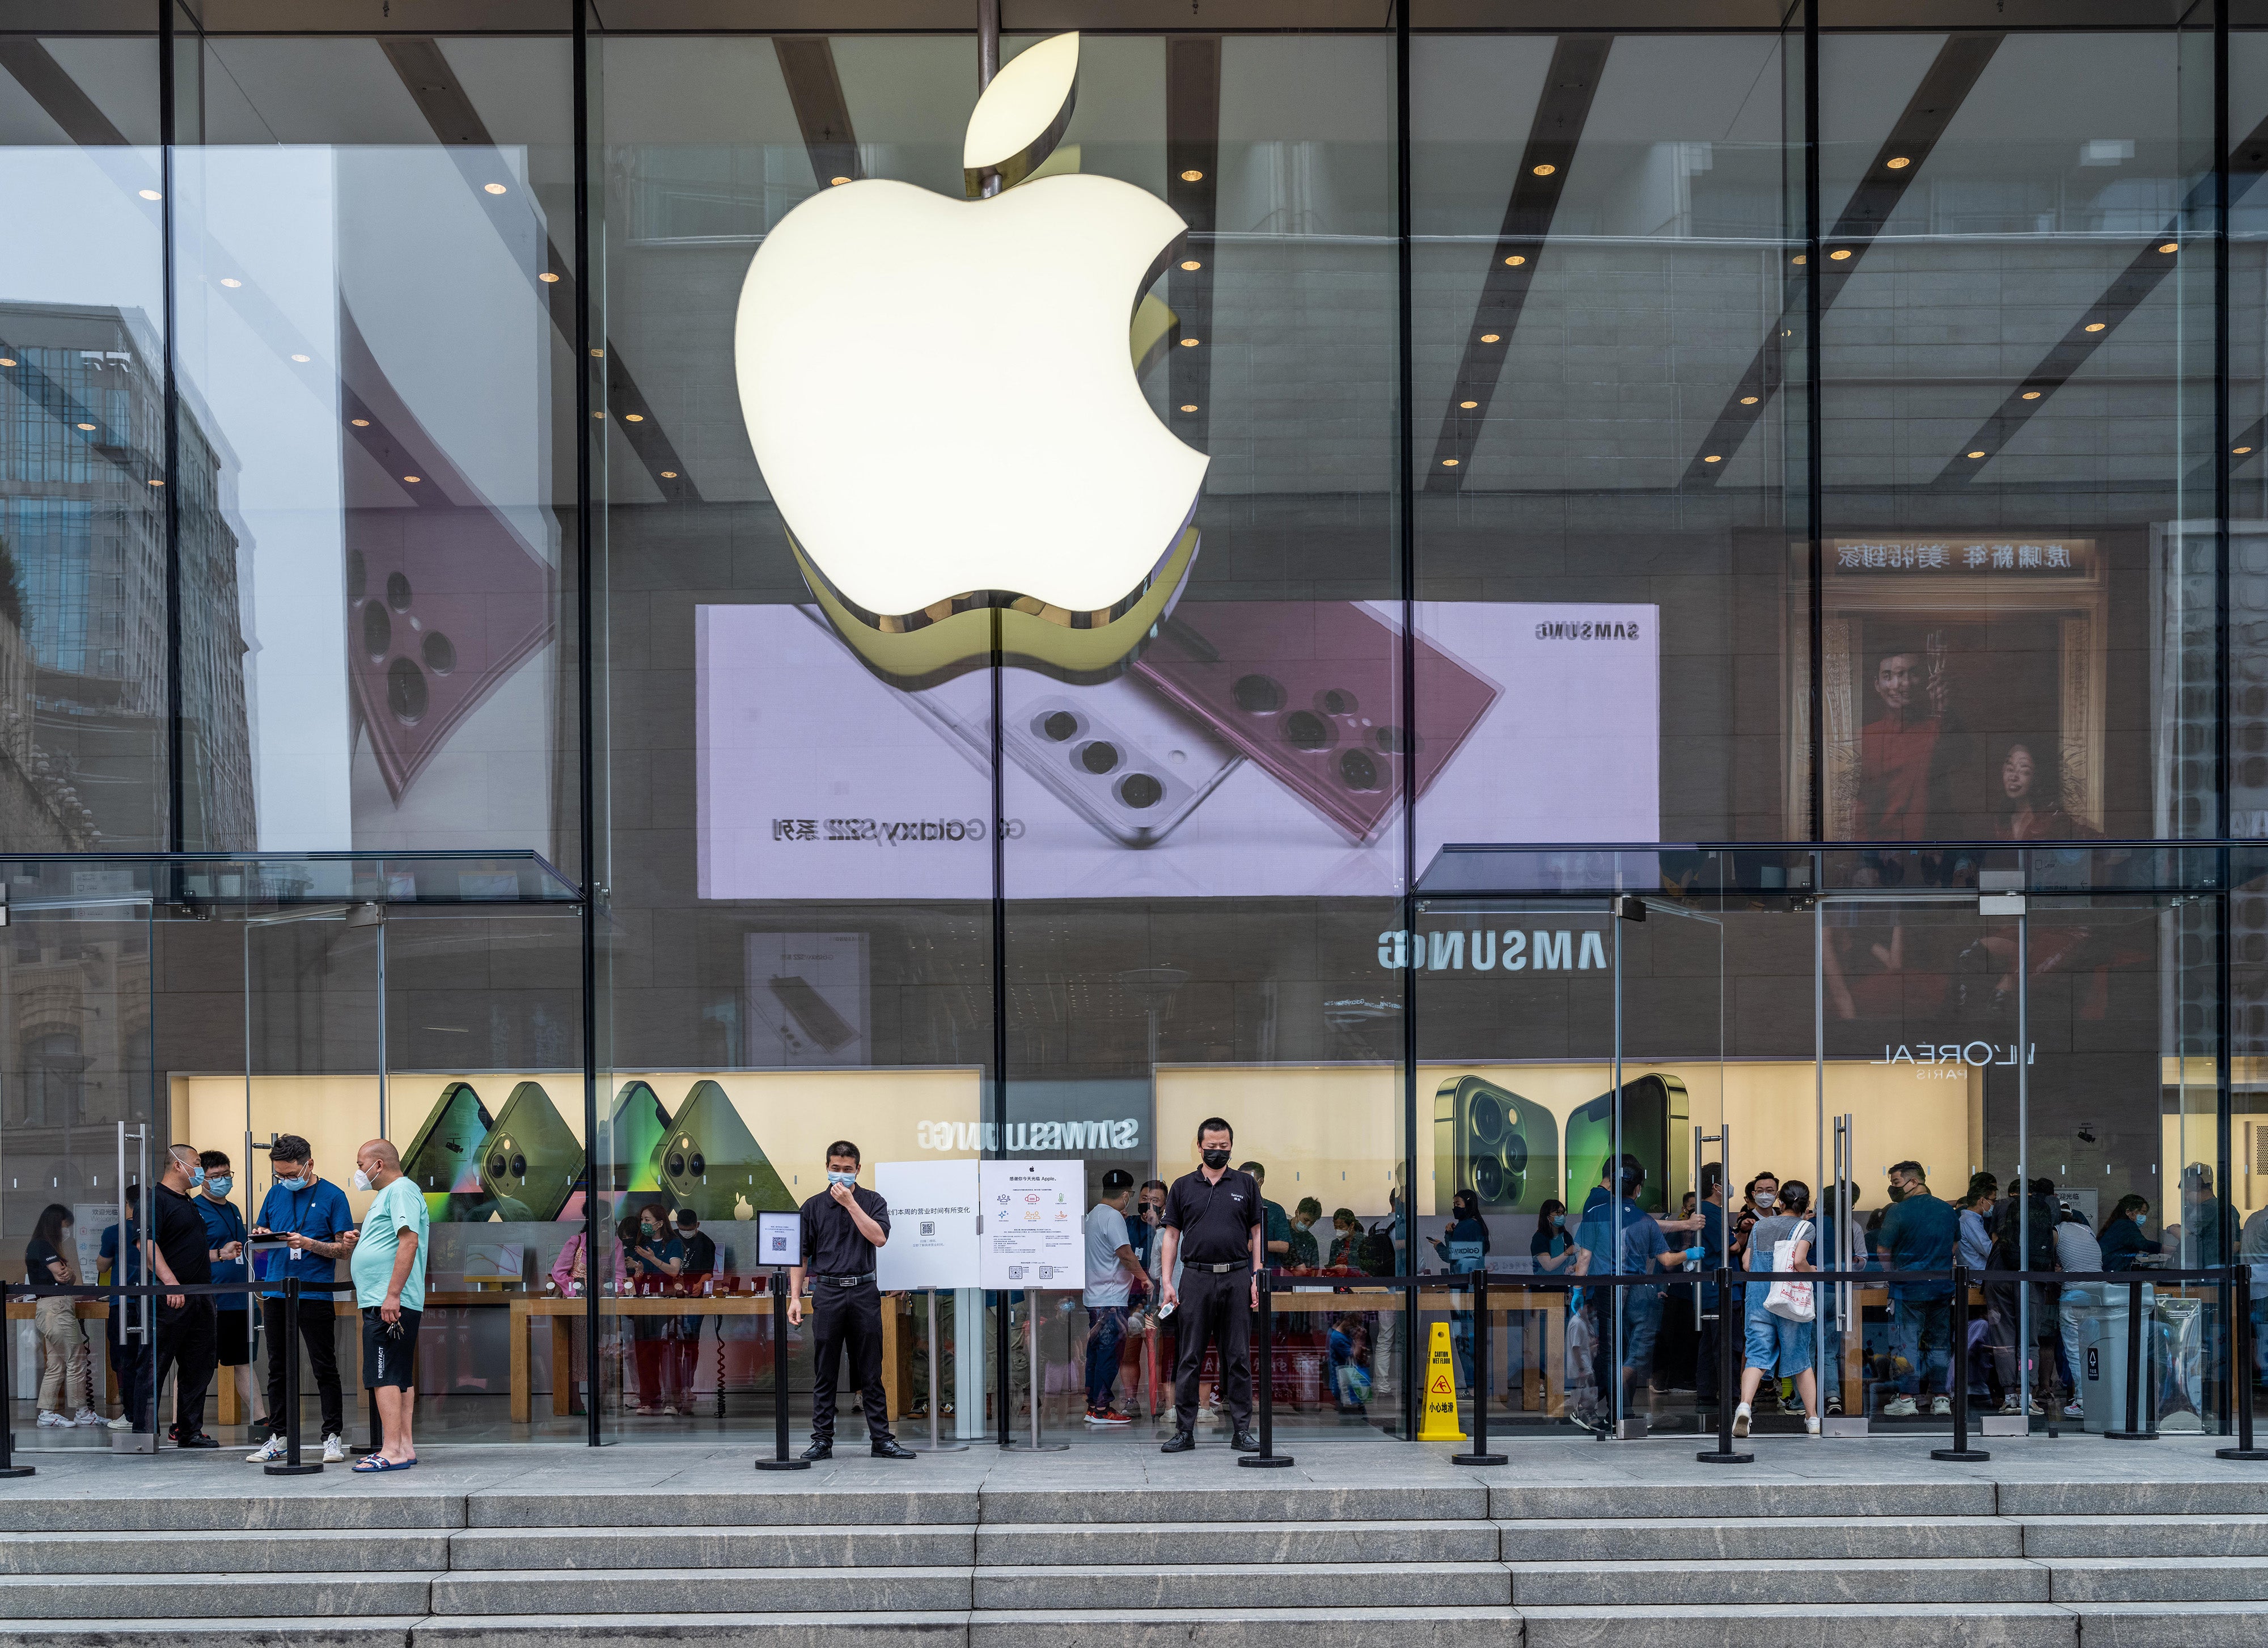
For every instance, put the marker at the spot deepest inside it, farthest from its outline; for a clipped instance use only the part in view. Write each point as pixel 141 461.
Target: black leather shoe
pixel 1182 1443
pixel 200 1440
pixel 892 1450
pixel 1245 1442
pixel 820 1451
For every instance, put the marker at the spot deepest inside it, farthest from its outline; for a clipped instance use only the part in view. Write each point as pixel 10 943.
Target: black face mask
pixel 1216 1158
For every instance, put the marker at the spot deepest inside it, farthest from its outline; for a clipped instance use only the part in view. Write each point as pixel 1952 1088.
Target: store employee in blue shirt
pixel 309 1214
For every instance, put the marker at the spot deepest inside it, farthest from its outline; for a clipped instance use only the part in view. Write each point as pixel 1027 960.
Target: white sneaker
pixel 334 1449
pixel 1810 1426
pixel 88 1416
pixel 1941 1406
pixel 1900 1408
pixel 267 1453
pixel 1741 1420
pixel 2075 1410
pixel 2010 1405
pixel 119 1423
pixel 51 1419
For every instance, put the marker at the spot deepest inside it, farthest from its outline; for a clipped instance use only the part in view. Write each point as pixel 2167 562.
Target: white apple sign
pixel 940 392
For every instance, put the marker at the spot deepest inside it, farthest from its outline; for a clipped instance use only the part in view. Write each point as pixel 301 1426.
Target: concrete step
pixel 1238 1587
pixel 1740 1496
pixel 1042 1545
pixel 1807 1625
pixel 1699 1538
pixel 657 1592
pixel 844 1546
pixel 2158 1580
pixel 380 1632
pixel 882 1629
pixel 137 1596
pixel 1759 1583
pixel 321 1550
pixel 1253 1628
pixel 369 1506
pixel 2172 1625
pixel 2144 1536
pixel 822 1493
pixel 1286 1502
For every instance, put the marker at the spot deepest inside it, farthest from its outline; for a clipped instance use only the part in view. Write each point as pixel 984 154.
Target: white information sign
pixel 779 1239
pixel 932 1224
pixel 1034 1230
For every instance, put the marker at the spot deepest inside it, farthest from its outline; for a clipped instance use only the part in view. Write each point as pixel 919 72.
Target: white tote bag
pixel 1788 1297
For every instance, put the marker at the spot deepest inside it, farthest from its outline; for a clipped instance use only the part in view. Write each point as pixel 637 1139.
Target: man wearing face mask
pixel 1212 1231
pixel 842 1227
pixel 309 1215
pixel 187 1342
pixel 232 1312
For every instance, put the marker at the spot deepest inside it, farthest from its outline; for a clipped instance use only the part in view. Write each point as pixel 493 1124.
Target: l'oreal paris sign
pixel 1543 949
pixel 1971 1052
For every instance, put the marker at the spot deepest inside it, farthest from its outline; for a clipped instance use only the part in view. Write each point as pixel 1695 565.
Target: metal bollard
pixel 2138 1369
pixel 1483 1376
pixel 8 1466
pixel 2240 1375
pixel 293 1465
pixel 1267 1458
pixel 1728 1377
pixel 1960 1452
pixel 779 1461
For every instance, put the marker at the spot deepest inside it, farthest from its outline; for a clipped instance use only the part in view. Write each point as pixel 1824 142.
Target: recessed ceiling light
pixel 1192 176
pixel 1448 464
pixel 598 354
pixel 1468 405
pixel 493 188
pixel 2171 245
pixel 1489 338
pixel 1898 162
pixel 359 422
pixel 302 359
pixel 669 475
pixel 548 278
pixel 2239 451
pixel 1514 261
pixel 1189 342
pixel 1801 258
pixel 2031 395
pixel 413 479
pixel 1978 454
pixel 1749 400
pixel 1715 457
pixel 633 418
pixel 86 425
pixel 1839 253
pixel 2095 325
pixel 1189 406
pixel 836 182
pixel 7 360
pixel 230 282
pixel 1191 264
pixel 157 482
pixel 1545 171
pixel 151 194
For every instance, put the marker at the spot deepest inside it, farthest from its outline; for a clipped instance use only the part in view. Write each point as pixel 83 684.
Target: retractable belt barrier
pixel 292 1287
pixel 2237 1277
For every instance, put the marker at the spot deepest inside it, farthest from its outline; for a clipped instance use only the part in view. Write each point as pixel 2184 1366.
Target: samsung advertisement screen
pixel 1255 749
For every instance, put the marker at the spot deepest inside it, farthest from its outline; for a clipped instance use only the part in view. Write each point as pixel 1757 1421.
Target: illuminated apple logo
pixel 944 402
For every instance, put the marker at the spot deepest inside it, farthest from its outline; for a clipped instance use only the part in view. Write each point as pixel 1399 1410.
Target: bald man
pixel 387 1263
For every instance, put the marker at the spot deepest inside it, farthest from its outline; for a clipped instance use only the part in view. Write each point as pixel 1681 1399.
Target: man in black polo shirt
pixel 188 1337
pixel 1211 1226
pixel 843 1225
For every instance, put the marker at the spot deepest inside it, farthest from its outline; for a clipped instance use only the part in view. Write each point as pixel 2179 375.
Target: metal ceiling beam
pixel 1553 136
pixel 806 63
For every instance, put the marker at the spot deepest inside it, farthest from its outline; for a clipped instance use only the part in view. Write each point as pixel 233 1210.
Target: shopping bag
pixel 1788 1297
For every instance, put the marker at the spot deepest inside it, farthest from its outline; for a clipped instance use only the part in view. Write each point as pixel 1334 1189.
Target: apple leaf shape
pixel 1021 115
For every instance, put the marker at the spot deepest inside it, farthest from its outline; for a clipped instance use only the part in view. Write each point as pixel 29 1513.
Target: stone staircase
pixel 1769 1560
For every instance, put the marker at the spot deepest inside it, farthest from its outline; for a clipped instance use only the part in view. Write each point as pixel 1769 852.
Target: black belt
pixel 847 1282
pixel 1219 1270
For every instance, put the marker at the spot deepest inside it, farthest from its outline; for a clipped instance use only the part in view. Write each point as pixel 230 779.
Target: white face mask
pixel 362 1180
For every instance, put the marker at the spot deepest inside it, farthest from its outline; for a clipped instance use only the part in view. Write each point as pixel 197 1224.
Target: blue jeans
pixel 1106 1331
pixel 1922 1331
pixel 1773 1343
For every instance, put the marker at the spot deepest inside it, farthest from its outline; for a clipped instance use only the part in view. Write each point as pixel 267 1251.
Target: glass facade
pixel 1710 606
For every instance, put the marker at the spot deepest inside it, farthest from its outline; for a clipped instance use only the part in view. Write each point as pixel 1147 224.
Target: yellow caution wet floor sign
pixel 1439 1424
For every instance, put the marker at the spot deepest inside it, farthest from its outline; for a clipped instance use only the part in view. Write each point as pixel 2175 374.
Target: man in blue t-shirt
pixel 1711 1349
pixel 309 1215
pixel 1918 1233
pixel 126 1365
pixel 1624 1239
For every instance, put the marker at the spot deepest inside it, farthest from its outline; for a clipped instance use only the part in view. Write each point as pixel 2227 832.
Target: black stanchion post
pixel 779 1461
pixel 2240 1372
pixel 1729 1378
pixel 292 1466
pixel 2137 1371
pixel 8 1466
pixel 1483 1376
pixel 1960 1452
pixel 1265 1369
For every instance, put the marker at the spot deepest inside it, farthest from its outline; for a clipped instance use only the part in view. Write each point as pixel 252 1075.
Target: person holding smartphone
pixel 843 1227
pixel 309 1215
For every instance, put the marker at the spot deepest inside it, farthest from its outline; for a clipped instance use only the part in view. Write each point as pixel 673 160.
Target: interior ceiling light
pixel 1715 457
pixel 2171 245
pixel 230 282
pixel 86 425
pixel 598 354
pixel 1801 258
pixel 1193 176
pixel 548 278
pixel 633 418
pixel 836 182
pixel 1191 264
pixel 303 359
pixel 1468 405
pixel 1545 171
pixel 1448 464
pixel 359 422
pixel 1977 455
pixel 157 482
pixel 1189 342
pixel 2239 451
pixel 2031 395
pixel 151 194
pixel 7 360
pixel 1749 400
pixel 1488 337
pixel 669 475
pixel 2095 325
pixel 493 188
pixel 1514 261
pixel 1839 253
pixel 1189 406
pixel 413 479
pixel 1898 162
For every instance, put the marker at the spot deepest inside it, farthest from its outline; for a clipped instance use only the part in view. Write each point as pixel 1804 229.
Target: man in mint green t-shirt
pixel 388 1264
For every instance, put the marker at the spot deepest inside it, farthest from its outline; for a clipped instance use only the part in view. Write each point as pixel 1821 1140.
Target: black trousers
pixel 853 1314
pixel 316 1320
pixel 129 1365
pixel 188 1347
pixel 1218 1309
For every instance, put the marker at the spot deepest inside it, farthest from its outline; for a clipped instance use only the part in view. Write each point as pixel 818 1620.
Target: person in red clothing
pixel 1906 753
